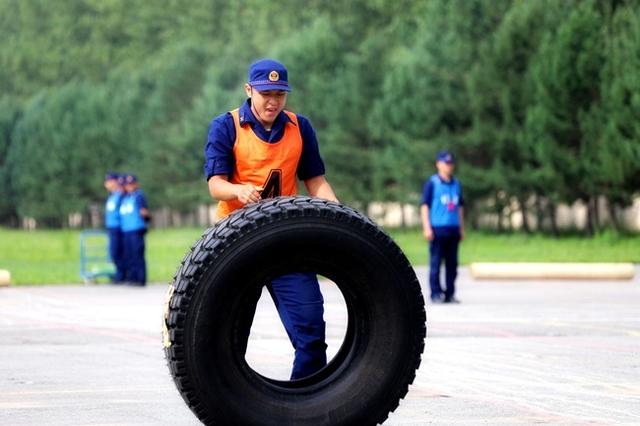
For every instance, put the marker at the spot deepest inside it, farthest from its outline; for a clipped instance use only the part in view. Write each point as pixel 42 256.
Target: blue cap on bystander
pixel 129 178
pixel 111 176
pixel 446 157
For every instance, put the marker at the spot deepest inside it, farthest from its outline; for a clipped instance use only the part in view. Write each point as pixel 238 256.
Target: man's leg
pixel 451 265
pixel 300 305
pixel 137 262
pixel 142 274
pixel 115 252
pixel 435 258
pixel 126 256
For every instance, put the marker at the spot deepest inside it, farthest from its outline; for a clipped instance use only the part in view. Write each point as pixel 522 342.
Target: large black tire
pixel 207 314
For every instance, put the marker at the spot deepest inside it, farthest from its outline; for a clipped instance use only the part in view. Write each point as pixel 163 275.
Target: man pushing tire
pixel 255 153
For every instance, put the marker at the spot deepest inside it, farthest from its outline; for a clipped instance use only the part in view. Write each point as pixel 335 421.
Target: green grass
pixel 519 247
pixel 53 257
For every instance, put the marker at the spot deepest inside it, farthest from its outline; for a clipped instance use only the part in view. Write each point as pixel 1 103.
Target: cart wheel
pixel 211 301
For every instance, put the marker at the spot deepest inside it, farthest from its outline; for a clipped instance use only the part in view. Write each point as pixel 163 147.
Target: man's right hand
pixel 247 194
pixel 428 234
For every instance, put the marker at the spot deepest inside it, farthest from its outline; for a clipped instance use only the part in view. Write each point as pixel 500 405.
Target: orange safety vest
pixel 271 167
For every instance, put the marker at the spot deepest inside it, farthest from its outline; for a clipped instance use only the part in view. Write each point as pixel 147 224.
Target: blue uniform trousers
pixel 116 253
pixel 135 266
pixel 300 305
pixel 443 247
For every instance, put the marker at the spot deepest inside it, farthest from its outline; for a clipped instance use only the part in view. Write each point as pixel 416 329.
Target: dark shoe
pixel 437 299
pixel 451 300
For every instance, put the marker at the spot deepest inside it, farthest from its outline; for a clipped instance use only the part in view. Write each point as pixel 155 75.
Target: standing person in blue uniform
pixel 257 151
pixel 443 226
pixel 134 215
pixel 113 183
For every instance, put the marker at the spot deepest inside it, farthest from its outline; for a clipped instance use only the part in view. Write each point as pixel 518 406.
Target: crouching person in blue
pixel 443 226
pixel 113 183
pixel 134 216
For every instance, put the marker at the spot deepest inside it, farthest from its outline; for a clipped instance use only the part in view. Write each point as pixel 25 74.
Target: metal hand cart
pixel 95 261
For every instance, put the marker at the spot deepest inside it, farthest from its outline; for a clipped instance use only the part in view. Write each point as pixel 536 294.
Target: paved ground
pixel 511 353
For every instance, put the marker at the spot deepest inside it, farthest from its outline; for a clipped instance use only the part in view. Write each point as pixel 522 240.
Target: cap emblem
pixel 274 76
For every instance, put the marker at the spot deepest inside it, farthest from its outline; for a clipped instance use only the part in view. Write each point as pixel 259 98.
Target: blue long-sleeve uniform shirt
pixel 219 158
pixel 130 217
pixel 444 200
pixel 112 210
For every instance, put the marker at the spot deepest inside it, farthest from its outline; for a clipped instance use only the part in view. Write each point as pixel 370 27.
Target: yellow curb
pixel 5 278
pixel 553 271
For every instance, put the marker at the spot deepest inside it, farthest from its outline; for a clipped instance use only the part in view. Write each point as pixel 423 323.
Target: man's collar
pixel 443 180
pixel 246 115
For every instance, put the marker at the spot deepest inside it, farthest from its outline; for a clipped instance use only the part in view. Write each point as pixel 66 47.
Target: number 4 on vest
pixel 273 186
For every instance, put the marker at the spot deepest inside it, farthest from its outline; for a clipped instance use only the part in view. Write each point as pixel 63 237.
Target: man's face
pixel 267 104
pixel 111 185
pixel 445 168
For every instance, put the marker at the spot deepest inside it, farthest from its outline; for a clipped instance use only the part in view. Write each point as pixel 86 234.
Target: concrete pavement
pixel 527 352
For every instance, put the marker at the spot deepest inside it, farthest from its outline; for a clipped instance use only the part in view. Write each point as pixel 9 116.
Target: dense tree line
pixel 538 98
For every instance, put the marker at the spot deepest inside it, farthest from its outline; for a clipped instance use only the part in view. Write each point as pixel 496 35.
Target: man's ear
pixel 247 89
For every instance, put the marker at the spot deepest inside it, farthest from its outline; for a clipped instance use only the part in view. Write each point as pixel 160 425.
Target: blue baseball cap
pixel 111 176
pixel 267 74
pixel 445 157
pixel 130 179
